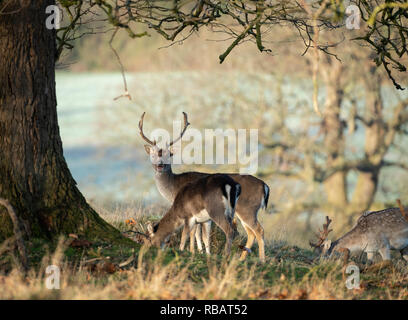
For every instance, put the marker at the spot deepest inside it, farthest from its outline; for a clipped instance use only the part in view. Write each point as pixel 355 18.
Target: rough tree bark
pixel 34 176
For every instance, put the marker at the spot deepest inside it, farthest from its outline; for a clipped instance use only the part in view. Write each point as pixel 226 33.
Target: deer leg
pixel 206 235
pixel 259 233
pixel 192 233
pixel 249 219
pixel 385 253
pixel 404 254
pixel 184 235
pixel 370 257
pixel 198 238
pixel 222 221
pixel 249 243
pixel 219 213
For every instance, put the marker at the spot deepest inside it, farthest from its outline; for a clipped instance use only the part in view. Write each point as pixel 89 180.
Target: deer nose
pixel 157 161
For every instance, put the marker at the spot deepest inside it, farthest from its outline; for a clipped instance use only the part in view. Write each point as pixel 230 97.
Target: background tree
pixel 328 149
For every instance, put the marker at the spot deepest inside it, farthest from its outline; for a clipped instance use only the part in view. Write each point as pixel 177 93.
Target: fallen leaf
pixel 103 267
pixel 130 222
pixel 301 294
pixel 108 267
pixel 77 243
pixel 283 294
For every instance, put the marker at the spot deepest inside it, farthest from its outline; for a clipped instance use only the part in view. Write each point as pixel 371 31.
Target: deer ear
pixel 148 148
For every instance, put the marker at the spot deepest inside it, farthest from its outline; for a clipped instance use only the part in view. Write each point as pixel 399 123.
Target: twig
pixel 17 233
pixel 95 259
pixel 402 209
pixel 140 237
pixel 128 261
pixel 315 16
pixel 122 69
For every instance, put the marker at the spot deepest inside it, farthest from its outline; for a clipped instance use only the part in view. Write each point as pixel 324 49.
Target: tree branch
pixel 17 233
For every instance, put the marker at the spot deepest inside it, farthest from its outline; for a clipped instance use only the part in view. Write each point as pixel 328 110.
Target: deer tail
pixel 265 198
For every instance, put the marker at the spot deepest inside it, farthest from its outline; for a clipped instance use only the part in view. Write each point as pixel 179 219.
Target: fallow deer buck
pixel 376 231
pixel 209 198
pixel 254 192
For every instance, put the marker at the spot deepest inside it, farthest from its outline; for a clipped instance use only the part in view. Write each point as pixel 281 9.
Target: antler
pixel 141 131
pixel 401 207
pixel 186 124
pixel 323 234
pixel 138 237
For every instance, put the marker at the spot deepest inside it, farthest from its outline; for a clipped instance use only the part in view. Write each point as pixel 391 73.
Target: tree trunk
pixel 332 128
pixel 34 176
pixel 365 190
pixel 367 180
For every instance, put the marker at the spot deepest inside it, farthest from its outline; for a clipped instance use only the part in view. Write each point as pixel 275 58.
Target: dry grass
pixel 289 273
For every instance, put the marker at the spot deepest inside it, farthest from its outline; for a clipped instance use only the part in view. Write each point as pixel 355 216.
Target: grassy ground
pixel 290 272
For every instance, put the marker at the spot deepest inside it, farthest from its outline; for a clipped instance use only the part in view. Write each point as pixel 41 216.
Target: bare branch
pixel 17 233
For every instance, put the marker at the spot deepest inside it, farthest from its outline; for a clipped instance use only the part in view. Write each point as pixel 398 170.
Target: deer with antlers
pixel 213 198
pixel 254 192
pixel 376 231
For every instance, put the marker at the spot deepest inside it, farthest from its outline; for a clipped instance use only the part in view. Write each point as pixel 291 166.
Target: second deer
pixel 376 231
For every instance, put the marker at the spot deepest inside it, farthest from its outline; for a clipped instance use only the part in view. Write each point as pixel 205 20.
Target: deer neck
pixel 351 240
pixel 166 185
pixel 167 225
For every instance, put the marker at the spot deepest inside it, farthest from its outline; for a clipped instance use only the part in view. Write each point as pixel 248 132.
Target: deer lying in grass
pixel 376 231
pixel 210 198
pixel 254 196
